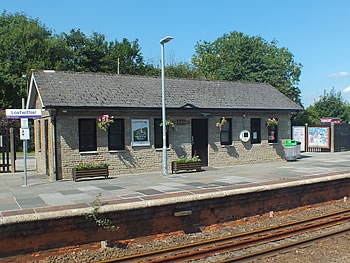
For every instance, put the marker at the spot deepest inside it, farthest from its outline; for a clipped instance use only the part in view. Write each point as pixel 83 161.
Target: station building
pixel 72 103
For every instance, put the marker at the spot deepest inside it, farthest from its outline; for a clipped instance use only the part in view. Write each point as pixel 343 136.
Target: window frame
pixel 255 126
pixel 117 129
pixel 158 134
pixel 226 129
pixel 89 135
pixel 272 134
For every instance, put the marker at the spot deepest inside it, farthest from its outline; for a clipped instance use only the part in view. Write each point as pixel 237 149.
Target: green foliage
pixel 330 104
pixel 86 165
pixel 238 57
pixel 188 160
pixel 168 124
pixel 105 223
pixel 23 46
pixel 26 44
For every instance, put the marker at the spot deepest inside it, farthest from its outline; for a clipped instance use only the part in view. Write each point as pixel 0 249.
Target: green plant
pixel 86 165
pixel 221 123
pixel 271 122
pixel 104 121
pixel 105 223
pixel 188 160
pixel 168 124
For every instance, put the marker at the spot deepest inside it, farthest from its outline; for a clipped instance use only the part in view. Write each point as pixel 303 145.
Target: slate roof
pixel 87 90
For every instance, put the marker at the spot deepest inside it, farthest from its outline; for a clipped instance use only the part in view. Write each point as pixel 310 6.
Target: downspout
pixel 54 136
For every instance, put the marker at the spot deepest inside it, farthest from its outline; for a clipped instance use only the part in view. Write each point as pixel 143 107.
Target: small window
pixel 116 135
pixel 158 134
pixel 226 133
pixel 255 131
pixel 87 135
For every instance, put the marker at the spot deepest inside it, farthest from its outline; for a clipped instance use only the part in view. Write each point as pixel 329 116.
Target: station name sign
pixel 23 113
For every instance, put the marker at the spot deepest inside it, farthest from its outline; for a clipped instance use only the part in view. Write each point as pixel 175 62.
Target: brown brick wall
pixel 26 237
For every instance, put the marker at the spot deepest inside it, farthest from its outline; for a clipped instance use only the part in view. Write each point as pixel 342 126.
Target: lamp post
pixel 165 161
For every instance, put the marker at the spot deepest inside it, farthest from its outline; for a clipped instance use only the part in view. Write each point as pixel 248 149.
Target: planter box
pixel 90 172
pixel 175 166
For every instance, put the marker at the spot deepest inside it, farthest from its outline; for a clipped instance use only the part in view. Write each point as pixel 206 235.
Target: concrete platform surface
pixel 42 195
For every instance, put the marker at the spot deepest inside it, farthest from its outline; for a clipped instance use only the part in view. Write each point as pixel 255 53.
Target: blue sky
pixel 315 31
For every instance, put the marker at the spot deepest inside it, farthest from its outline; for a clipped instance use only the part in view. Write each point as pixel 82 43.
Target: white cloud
pixel 346 90
pixel 341 74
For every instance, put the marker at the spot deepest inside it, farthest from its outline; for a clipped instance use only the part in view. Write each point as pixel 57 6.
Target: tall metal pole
pixel 25 146
pixel 165 158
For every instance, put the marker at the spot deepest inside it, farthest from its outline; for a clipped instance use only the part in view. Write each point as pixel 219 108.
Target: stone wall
pixel 137 159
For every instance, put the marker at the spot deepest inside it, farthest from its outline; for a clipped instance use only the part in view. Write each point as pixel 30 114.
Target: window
pixel 38 128
pixel 272 133
pixel 255 130
pixel 226 133
pixel 158 134
pixel 116 136
pixel 87 135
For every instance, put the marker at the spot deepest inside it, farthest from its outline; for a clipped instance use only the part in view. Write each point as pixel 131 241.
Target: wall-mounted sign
pixel 244 136
pixel 140 133
pixel 181 122
pixel 299 135
pixel 23 113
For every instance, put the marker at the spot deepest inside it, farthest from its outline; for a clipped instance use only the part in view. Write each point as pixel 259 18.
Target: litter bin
pixel 290 150
pixel 298 150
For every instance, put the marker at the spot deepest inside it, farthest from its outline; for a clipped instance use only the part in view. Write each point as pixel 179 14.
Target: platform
pixel 42 195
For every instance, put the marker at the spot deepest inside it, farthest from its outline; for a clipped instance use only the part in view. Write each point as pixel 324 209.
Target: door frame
pixel 199 139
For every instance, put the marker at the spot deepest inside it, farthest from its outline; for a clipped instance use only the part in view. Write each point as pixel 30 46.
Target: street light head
pixel 165 40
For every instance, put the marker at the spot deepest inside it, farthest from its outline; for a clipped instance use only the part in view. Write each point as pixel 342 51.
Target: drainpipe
pixel 54 135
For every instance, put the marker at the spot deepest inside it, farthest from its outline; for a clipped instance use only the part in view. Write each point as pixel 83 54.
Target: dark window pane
pixel 255 130
pixel 226 133
pixel 116 135
pixel 87 135
pixel 272 134
pixel 158 134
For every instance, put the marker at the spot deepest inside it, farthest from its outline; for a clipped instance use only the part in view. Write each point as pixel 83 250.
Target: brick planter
pixel 90 172
pixel 175 166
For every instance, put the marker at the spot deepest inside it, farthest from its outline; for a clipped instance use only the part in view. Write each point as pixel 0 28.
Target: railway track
pixel 246 246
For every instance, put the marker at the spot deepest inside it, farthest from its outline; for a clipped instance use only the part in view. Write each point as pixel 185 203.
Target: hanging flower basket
pixel 271 122
pixel 168 124
pixel 104 121
pixel 221 123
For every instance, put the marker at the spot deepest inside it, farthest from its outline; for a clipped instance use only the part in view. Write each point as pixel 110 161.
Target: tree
pixel 238 57
pixel 129 55
pixel 23 46
pixel 330 104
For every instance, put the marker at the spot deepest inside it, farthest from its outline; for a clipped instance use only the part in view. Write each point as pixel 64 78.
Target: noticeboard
pixel 318 137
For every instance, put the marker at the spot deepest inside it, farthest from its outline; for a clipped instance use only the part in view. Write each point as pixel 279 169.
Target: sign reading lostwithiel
pixel 23 113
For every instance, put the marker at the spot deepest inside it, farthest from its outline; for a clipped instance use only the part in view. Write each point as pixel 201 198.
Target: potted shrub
pixel 90 170
pixel 187 164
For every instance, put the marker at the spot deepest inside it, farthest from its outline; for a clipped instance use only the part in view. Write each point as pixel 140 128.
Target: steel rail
pixel 236 242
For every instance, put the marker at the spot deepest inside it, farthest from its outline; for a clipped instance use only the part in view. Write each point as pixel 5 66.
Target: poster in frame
pixel 318 137
pixel 140 132
pixel 299 136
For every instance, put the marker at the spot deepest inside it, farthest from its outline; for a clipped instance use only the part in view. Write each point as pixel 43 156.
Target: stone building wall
pixel 138 159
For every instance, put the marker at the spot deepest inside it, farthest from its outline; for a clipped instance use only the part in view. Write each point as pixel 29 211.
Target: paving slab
pixel 41 194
